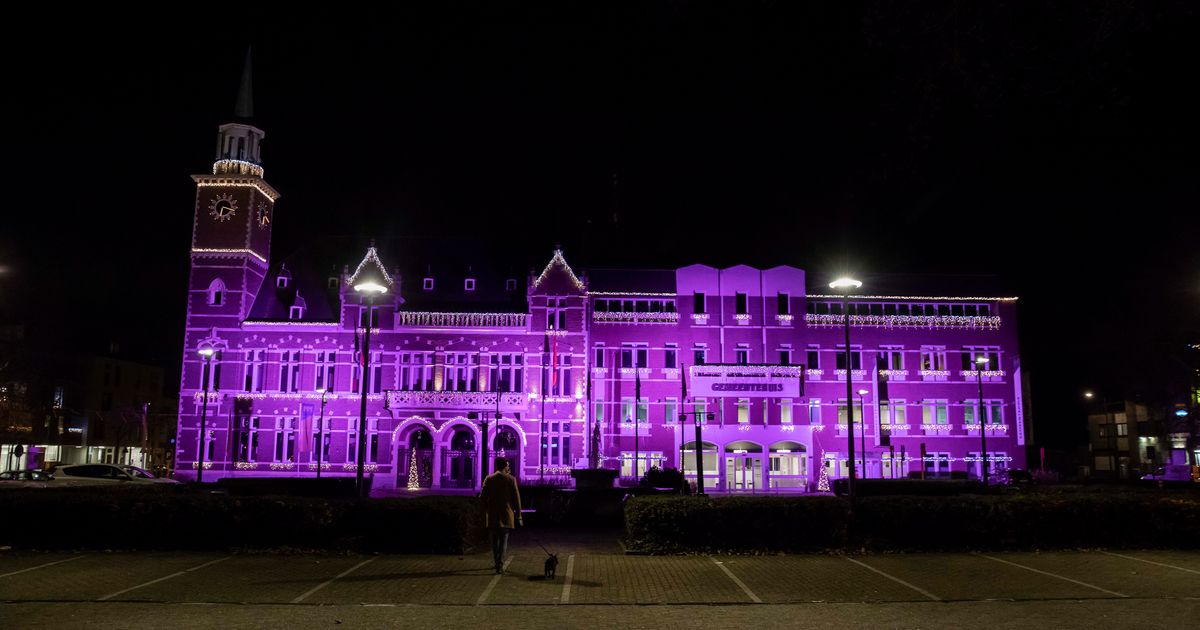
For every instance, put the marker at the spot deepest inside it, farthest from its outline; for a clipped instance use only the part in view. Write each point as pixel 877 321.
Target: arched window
pixel 216 293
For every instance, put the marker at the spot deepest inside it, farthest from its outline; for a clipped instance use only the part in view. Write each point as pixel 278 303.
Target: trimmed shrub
pixel 664 524
pixel 152 518
pixel 916 523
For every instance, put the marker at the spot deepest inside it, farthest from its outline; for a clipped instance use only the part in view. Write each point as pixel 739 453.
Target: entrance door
pixel 743 472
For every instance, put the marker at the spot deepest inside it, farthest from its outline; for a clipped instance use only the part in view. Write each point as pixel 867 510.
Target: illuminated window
pixel 427 284
pixel 469 284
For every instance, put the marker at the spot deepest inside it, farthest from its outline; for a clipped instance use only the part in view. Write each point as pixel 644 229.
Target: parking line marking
pixel 1053 575
pixel 895 579
pixel 1161 564
pixel 566 594
pixel 754 598
pixel 165 577
pixel 491 585
pixel 40 566
pixel 333 579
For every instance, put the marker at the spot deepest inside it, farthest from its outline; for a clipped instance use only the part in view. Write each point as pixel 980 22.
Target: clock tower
pixel 231 233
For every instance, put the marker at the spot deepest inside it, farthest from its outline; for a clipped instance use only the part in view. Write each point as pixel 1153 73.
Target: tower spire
pixel 245 99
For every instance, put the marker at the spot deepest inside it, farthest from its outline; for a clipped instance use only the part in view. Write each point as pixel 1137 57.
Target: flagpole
pixel 542 430
pixel 637 404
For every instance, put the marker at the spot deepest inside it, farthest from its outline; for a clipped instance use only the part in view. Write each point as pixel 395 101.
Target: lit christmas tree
pixel 414 483
pixel 823 479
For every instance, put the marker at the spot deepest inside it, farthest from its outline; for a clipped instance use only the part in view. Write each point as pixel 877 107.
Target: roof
pixel 631 280
pixel 321 304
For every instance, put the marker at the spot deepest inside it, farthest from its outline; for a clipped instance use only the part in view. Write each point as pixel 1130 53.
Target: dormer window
pixel 469 284
pixel 427 284
pixel 510 284
pixel 296 312
pixel 281 282
pixel 333 282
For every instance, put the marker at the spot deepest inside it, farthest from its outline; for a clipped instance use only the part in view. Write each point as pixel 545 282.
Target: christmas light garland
pixel 558 258
pixel 474 320
pixel 921 298
pixel 372 255
pixel 608 317
pixel 218 250
pixel 990 322
pixel 204 181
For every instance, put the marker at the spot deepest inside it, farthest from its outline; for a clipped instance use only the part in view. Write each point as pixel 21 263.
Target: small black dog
pixel 551 565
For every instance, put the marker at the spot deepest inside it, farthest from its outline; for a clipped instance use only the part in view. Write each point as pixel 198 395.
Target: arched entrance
pixel 788 466
pixel 416 445
pixel 460 464
pixel 743 467
pixel 507 444
pixel 709 456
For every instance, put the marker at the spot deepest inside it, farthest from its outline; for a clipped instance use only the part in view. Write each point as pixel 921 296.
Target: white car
pixel 1170 472
pixel 105 475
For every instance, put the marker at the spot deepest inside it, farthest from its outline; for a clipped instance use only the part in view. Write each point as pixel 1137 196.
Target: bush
pixel 924 523
pixel 151 518
pixel 662 478
pixel 671 524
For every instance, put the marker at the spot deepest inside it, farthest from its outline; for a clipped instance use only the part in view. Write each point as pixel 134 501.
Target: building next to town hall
pixel 568 369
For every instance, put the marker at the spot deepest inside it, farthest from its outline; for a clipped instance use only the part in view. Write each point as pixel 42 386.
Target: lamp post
pixel 845 285
pixel 321 434
pixel 862 410
pixel 369 290
pixel 980 363
pixel 207 353
pixel 1109 432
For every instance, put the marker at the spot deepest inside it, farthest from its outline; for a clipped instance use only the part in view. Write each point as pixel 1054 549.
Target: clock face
pixel 264 215
pixel 223 207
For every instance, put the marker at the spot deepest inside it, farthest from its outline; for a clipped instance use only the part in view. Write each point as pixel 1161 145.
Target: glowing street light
pixel 370 290
pixel 981 362
pixel 207 353
pixel 844 285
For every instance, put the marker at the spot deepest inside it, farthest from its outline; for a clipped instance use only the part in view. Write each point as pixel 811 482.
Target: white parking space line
pixel 1161 564
pixel 1053 575
pixel 895 579
pixel 333 579
pixel 491 585
pixel 754 598
pixel 163 578
pixel 566 594
pixel 40 566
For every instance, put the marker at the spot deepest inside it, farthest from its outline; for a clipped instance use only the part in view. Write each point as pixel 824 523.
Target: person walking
pixel 501 509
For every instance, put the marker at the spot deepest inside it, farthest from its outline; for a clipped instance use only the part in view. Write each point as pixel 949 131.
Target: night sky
pixel 1053 144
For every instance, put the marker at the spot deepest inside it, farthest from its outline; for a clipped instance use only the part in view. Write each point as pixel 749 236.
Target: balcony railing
pixel 905 321
pixel 604 317
pixel 462 320
pixel 455 400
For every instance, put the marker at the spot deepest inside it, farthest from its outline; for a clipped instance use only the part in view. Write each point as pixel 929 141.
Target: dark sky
pixel 1052 143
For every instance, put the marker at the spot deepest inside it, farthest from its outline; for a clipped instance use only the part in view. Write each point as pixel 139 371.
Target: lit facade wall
pixel 564 373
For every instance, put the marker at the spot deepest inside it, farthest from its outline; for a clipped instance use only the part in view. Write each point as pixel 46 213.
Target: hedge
pixel 790 524
pixel 676 524
pixel 128 518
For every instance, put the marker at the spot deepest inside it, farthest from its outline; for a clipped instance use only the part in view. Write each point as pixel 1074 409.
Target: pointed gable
pixel 558 278
pixel 371 269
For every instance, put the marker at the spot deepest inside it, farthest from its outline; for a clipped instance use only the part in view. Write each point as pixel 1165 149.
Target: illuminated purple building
pixel 560 357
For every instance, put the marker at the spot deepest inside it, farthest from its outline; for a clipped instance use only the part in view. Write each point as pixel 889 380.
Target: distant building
pixel 1127 440
pixel 581 369
pixel 92 408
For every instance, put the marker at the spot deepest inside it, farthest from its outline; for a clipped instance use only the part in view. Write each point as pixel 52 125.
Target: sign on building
pixel 747 381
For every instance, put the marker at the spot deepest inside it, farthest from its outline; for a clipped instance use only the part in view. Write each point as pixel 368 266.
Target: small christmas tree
pixel 414 483
pixel 823 478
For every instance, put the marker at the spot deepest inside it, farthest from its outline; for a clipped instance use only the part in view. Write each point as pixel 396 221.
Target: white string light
pixel 918 297
pixel 989 322
pixel 211 250
pixel 205 181
pixel 558 258
pixel 372 255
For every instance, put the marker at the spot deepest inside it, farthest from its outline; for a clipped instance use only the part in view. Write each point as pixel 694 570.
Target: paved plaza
pixel 597 585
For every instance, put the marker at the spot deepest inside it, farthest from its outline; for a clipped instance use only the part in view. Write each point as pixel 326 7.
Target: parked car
pixel 106 474
pixel 1019 477
pixel 26 478
pixel 1170 472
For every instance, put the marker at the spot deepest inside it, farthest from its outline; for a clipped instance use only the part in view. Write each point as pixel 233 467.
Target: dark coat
pixel 501 501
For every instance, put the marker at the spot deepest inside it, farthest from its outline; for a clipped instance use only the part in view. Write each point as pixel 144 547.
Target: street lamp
pixel 862 409
pixel 1109 431
pixel 369 290
pixel 207 353
pixel 321 429
pixel 846 284
pixel 980 363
